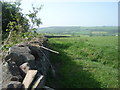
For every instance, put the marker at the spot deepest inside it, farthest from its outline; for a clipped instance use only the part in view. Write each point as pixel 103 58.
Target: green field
pixel 79 30
pixel 84 62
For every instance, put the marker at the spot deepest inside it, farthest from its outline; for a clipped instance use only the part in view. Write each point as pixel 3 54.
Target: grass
pixel 79 30
pixel 84 62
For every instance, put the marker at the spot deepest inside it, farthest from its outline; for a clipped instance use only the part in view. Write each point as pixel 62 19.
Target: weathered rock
pixel 39 82
pixel 10 73
pixel 36 51
pixel 22 58
pixel 6 75
pixel 19 55
pixel 22 44
pixel 13 85
pixel 13 68
pixel 47 88
pixel 42 41
pixel 17 49
pixel 25 67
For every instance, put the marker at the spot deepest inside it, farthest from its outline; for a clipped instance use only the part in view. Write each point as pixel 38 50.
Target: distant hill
pixel 77 30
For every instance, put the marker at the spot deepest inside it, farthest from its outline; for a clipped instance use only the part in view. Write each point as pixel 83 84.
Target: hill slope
pixel 77 30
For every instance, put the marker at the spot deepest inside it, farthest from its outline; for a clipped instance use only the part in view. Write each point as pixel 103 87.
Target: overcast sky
pixel 75 13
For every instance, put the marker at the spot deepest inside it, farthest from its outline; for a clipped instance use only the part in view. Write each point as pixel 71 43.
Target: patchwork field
pixel 85 62
pixel 80 30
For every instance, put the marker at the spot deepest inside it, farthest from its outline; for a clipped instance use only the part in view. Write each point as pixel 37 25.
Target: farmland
pixel 79 30
pixel 88 59
pixel 85 62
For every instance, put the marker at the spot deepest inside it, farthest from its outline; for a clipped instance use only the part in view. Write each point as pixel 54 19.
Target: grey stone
pixel 19 55
pixel 10 72
pixel 17 58
pixel 22 58
pixel 6 75
pixel 17 49
pixel 25 67
pixel 48 88
pixel 36 52
pixel 13 85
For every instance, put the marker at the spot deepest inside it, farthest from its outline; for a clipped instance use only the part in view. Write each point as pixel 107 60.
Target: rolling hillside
pixel 77 30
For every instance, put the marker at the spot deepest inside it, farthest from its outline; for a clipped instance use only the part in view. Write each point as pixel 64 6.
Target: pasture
pixel 84 62
pixel 80 30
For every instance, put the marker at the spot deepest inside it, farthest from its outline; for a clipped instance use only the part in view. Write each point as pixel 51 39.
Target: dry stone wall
pixel 22 58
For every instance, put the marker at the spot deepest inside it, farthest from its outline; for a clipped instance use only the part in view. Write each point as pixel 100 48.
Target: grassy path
pixel 85 62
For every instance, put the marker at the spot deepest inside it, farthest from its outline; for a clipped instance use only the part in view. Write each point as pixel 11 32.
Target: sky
pixel 75 13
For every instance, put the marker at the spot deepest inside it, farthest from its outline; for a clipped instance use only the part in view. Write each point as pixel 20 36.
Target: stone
pixel 36 52
pixel 22 58
pixel 19 55
pixel 13 68
pixel 22 44
pixel 13 85
pixel 48 88
pixel 17 49
pixel 10 72
pixel 25 67
pixel 39 82
pixel 6 75
pixel 17 58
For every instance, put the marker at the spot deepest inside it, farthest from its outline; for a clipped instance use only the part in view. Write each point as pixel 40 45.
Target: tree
pixel 33 19
pixel 11 16
pixel 16 25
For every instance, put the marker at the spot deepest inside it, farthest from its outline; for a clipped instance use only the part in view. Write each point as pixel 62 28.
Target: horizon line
pixel 77 26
